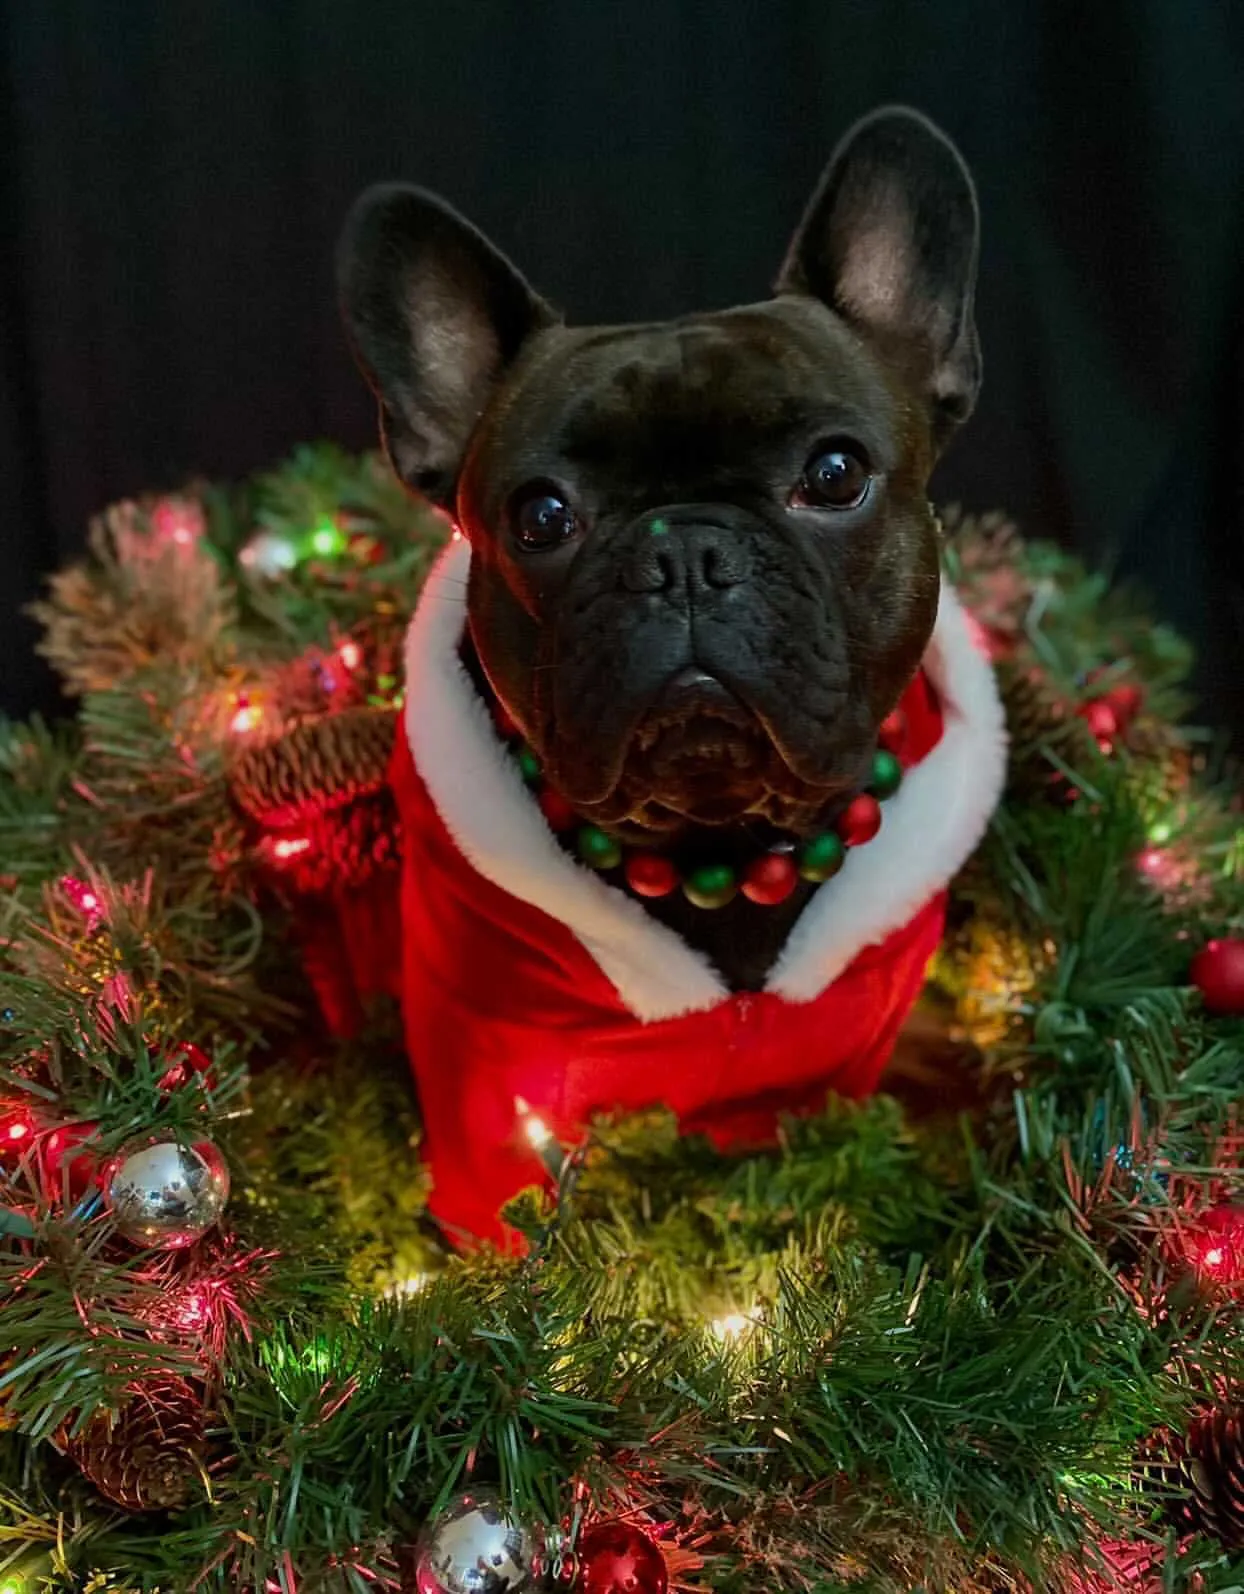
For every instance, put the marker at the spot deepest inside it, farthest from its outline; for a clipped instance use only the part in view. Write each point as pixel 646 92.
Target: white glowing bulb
pixel 733 1326
pixel 410 1286
pixel 537 1131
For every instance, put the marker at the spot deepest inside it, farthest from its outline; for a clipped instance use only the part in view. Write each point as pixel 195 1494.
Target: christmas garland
pixel 977 1334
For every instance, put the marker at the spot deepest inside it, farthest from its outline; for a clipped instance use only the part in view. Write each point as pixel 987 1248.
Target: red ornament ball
pixel 650 875
pixel 66 1170
pixel 770 879
pixel 620 1558
pixel 1218 973
pixel 1101 719
pixel 557 811
pixel 1126 702
pixel 860 820
pixel 892 732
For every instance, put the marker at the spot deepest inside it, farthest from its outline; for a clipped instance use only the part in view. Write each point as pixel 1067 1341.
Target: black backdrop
pixel 172 174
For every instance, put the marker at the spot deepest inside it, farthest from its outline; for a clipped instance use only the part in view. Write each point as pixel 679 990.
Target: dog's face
pixel 703 562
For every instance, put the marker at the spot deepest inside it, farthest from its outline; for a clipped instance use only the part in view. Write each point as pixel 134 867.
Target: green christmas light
pixel 328 539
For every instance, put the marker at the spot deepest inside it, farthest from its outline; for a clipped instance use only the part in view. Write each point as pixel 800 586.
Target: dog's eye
pixel 836 477
pixel 540 518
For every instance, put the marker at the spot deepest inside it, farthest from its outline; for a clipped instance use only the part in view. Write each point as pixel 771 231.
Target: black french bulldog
pixel 704 565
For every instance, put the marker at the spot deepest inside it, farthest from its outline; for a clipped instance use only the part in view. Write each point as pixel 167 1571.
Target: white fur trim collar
pixel 931 825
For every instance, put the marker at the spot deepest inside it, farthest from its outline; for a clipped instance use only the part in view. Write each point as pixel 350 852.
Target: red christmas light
pixel 179 521
pixel 84 898
pixel 247 716
pixel 350 654
pixel 1214 1245
pixel 290 847
pixel 17 1128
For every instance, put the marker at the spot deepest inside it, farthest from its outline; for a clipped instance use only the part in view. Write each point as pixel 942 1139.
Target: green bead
pixel 887 775
pixel 821 858
pixel 598 850
pixel 711 886
pixel 529 764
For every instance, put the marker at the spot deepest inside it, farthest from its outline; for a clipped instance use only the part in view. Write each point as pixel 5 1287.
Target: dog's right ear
pixel 435 314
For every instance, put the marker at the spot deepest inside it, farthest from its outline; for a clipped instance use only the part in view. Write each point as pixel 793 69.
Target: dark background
pixel 172 176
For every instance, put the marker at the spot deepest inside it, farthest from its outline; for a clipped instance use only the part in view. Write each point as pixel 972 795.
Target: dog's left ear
pixel 890 241
pixel 435 314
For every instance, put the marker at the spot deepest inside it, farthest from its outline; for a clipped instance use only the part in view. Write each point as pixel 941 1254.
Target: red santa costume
pixel 529 978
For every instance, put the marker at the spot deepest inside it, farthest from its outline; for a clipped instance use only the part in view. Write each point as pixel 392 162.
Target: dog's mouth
pixel 700 751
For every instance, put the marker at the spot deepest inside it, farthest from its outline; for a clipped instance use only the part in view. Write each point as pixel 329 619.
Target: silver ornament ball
pixel 166 1195
pixel 475 1547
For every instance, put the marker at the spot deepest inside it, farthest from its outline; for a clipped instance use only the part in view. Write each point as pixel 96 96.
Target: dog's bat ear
pixel 435 314
pixel 890 241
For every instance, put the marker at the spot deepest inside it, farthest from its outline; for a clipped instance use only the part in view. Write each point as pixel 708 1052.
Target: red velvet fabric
pixel 502 1002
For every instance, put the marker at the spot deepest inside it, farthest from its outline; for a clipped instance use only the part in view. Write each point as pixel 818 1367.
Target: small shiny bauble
pixel 620 1558
pixel 474 1547
pixel 558 814
pixel 650 875
pixel 165 1195
pixel 893 731
pixel 713 885
pixel 1218 973
pixel 597 850
pixel 770 879
pixel 529 765
pixel 821 858
pixel 887 775
pixel 859 821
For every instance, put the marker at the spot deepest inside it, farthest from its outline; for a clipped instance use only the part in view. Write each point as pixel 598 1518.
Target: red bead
pixel 893 731
pixel 556 810
pixel 620 1558
pixel 1101 719
pixel 650 875
pixel 860 820
pixel 770 880
pixel 1218 973
pixel 503 720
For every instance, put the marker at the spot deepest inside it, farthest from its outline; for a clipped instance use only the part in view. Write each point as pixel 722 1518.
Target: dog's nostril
pixel 721 567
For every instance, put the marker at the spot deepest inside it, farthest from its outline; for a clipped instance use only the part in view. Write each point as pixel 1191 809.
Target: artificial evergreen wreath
pixel 980 1333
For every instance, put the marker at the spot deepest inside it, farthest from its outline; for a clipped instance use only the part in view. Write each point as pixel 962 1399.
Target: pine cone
pixel 345 847
pixel 1038 718
pixel 1202 1475
pixel 147 1457
pixel 319 765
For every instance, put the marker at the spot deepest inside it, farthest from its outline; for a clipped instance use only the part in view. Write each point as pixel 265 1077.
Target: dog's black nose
pixel 685 554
